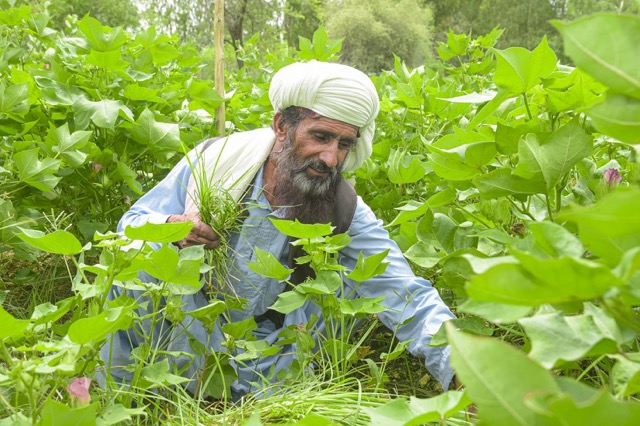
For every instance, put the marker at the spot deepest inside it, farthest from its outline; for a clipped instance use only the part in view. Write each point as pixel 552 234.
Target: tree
pixel 111 13
pixel 301 18
pixel 375 30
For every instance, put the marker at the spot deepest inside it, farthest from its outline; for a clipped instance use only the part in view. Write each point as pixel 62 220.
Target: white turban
pixel 334 91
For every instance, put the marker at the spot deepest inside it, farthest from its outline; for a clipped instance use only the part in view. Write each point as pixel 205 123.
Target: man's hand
pixel 201 233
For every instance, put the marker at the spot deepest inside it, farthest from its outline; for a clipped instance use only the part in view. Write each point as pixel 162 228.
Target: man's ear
pixel 279 126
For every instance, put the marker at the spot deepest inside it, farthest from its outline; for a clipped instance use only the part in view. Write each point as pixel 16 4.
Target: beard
pixel 310 199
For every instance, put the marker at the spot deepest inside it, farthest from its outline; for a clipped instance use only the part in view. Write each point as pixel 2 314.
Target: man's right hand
pixel 201 233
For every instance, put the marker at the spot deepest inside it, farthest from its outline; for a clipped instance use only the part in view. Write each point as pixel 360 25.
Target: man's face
pixel 313 153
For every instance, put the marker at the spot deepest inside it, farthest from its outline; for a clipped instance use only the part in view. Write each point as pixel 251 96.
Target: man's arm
pixel 406 295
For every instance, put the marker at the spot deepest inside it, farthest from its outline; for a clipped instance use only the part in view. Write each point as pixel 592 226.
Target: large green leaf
pixel 606 46
pixel 518 69
pixel 502 182
pixel 405 168
pixel 487 368
pixel 370 267
pixel 296 229
pixel 416 411
pixel 268 266
pixel 538 281
pixel 610 227
pixel 103 113
pixel 59 414
pixel 556 339
pixel 625 374
pixel 582 405
pixel 11 326
pixel 618 116
pixel 14 99
pixel 163 139
pixel 111 60
pixel 102 38
pixel 556 156
pixel 167 265
pixel 97 327
pixel 37 173
pixel 57 242
pixel 68 145
pixel 159 232
pixel 555 240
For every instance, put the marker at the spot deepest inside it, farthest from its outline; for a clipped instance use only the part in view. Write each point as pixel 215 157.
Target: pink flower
pixel 612 177
pixel 96 167
pixel 79 390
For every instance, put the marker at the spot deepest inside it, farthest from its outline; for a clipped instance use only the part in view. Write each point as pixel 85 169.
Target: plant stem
pixel 546 196
pixel 526 104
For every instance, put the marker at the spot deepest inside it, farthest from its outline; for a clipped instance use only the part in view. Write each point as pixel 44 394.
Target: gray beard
pixel 310 199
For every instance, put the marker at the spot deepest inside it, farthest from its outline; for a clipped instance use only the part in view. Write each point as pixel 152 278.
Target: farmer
pixel 324 124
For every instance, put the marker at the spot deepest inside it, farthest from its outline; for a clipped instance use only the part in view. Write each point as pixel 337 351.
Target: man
pixel 323 125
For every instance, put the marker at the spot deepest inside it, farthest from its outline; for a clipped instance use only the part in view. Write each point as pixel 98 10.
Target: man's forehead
pixel 330 125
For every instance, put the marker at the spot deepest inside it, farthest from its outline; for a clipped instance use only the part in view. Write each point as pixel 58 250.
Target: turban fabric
pixel 334 91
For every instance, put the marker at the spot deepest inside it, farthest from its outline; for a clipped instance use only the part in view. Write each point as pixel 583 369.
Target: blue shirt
pixel 405 294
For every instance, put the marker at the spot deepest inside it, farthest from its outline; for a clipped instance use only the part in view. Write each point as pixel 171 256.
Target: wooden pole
pixel 218 40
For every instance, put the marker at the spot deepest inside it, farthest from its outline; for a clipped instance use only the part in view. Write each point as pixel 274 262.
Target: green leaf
pixel 487 368
pixel 296 229
pixel 241 329
pixel 498 313
pixel 580 405
pixel 14 99
pixel 118 414
pixel 111 60
pixel 405 168
pixel 556 156
pixel 362 305
pixel 59 414
pixel 160 232
pixel 57 242
pixel 103 113
pixel 159 374
pixel 625 374
pixel 501 183
pixel 416 411
pixel 556 339
pixel 267 265
pixel 167 265
pixel 424 254
pixel 618 116
pixel 288 301
pixel 135 92
pixel 601 44
pixel 36 173
pixel 61 142
pixel 102 38
pixel 10 326
pixel 610 227
pixel 471 325
pixel 96 328
pixel 518 69
pixel 130 177
pixel 555 240
pixel 370 267
pixel 163 139
pixel 441 230
pixel 536 281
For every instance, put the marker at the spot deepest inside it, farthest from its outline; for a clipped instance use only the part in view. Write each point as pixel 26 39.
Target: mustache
pixel 317 165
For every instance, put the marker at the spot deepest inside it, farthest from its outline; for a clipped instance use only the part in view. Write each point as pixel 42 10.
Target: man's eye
pixel 345 146
pixel 322 138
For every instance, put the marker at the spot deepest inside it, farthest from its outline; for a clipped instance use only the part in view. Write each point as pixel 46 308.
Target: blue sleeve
pixel 163 200
pixel 406 295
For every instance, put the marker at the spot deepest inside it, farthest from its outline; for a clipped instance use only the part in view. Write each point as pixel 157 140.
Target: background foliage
pixel 507 177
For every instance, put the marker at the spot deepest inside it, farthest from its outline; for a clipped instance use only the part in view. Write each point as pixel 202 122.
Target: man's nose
pixel 329 154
